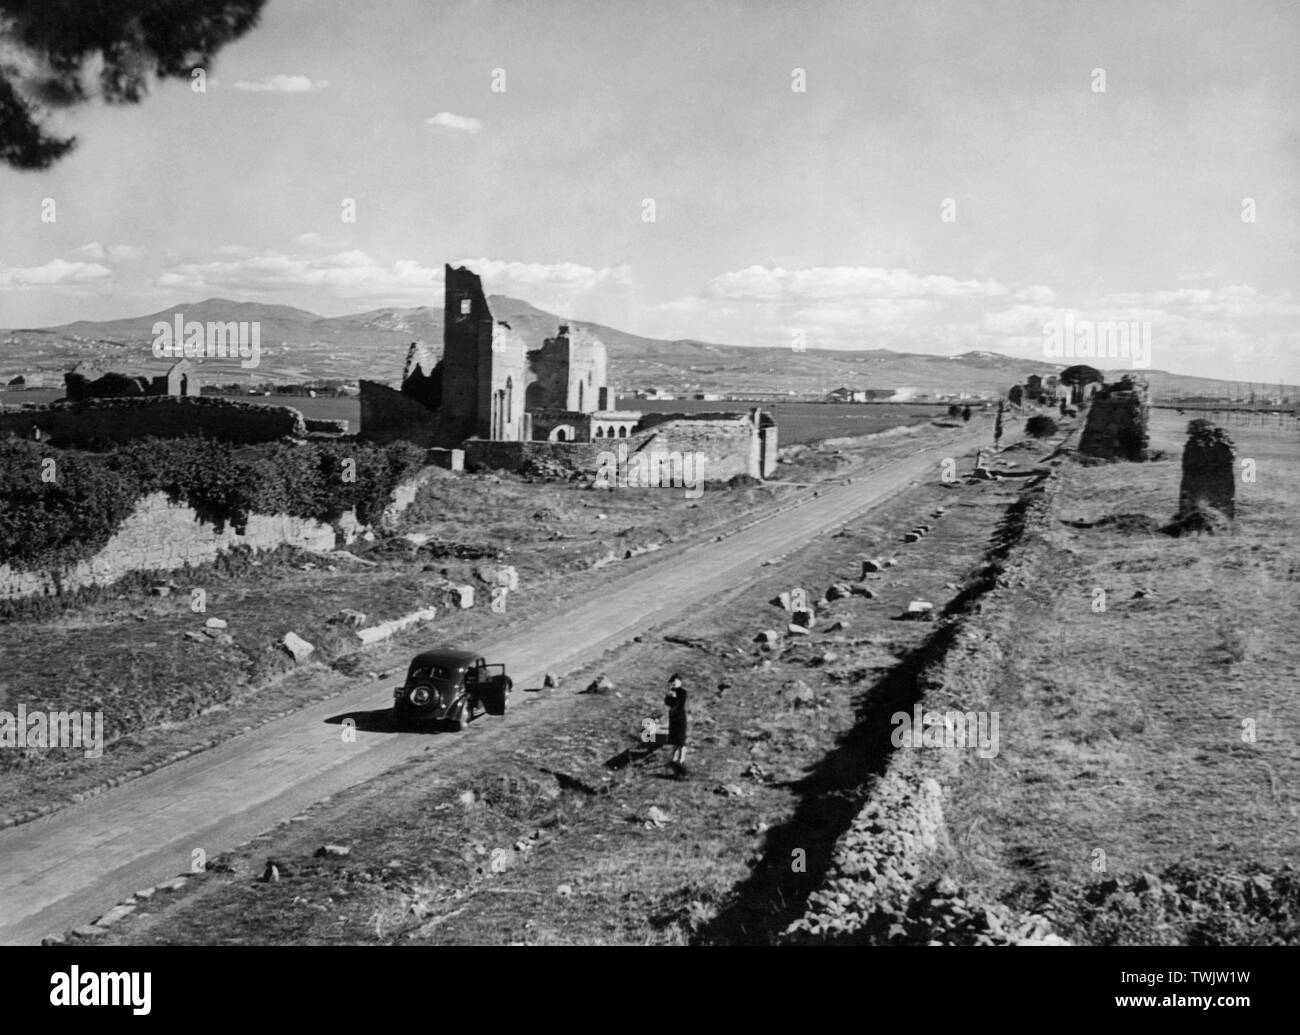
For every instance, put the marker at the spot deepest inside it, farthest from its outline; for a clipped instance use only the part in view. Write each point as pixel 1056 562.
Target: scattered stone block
pixel 299 648
pixel 502 575
pixel 115 914
pixel 216 623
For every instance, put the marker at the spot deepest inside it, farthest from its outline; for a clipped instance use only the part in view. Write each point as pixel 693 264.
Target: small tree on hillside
pixel 1078 377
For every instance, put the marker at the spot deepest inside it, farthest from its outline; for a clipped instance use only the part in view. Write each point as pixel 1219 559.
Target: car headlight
pixel 420 696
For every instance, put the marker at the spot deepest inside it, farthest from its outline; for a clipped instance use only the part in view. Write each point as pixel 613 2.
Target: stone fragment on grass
pixel 299 648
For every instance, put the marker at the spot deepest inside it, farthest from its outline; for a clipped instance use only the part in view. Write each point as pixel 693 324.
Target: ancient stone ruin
pixel 543 409
pixel 1209 474
pixel 1117 421
pixel 85 382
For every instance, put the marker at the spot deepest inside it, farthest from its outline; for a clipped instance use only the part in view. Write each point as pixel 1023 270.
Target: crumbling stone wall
pixel 732 443
pixel 1209 470
pixel 1117 422
pixel 422 376
pixel 571 457
pixel 103 421
pixel 326 427
pixel 576 427
pixel 162 536
pixel 388 415
pixel 483 369
pixel 568 373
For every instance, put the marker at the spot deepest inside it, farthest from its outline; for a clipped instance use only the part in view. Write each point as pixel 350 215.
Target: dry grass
pixel 1123 731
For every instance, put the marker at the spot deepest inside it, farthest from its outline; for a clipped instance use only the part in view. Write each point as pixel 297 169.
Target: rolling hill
pixel 298 345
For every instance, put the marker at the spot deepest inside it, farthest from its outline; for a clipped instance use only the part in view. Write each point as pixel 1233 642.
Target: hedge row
pixel 51 517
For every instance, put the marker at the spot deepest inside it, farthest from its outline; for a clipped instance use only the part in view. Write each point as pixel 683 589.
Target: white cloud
pixel 763 284
pixel 281 84
pixel 55 273
pixel 94 252
pixel 125 253
pixel 535 274
pixel 446 120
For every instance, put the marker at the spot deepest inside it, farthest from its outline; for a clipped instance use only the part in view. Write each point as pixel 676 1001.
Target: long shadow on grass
pixel 836 789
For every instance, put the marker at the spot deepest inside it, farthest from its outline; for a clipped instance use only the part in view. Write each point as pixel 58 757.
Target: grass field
pixel 1155 727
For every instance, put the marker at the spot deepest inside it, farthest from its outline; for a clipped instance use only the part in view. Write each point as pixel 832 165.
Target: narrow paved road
pixel 65 869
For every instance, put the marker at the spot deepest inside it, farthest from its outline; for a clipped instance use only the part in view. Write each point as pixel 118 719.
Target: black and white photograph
pixel 735 474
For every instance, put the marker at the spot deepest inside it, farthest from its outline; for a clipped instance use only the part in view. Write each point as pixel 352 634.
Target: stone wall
pixel 162 536
pixel 1117 422
pixel 520 457
pixel 730 442
pixel 104 421
pixel 1209 470
pixel 326 427
pixel 568 372
pixel 388 415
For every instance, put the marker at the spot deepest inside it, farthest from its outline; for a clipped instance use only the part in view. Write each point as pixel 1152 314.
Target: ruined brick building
pixel 84 382
pixel 495 396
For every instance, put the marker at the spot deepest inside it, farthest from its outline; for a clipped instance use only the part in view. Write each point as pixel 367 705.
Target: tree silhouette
pixel 48 47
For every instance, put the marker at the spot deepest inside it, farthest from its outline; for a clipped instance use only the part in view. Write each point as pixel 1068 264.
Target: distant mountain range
pixel 298 345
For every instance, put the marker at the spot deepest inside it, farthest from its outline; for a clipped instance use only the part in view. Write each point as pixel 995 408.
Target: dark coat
pixel 676 701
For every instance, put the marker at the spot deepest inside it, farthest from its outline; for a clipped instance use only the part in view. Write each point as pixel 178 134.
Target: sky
pixel 931 177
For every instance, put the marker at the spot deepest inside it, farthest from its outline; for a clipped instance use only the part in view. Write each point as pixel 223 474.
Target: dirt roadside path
pixel 64 870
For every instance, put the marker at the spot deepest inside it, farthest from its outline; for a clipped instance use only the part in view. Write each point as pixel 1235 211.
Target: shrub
pixel 57 522
pixel 1040 426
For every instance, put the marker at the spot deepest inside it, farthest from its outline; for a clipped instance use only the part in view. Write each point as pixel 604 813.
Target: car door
pixel 492 688
pixel 474 681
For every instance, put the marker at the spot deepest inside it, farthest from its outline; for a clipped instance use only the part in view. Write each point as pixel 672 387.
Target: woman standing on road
pixel 676 701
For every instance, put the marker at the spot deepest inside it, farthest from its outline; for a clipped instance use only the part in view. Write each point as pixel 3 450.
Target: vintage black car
pixel 451 685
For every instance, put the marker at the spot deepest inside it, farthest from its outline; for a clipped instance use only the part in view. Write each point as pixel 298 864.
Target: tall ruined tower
pixel 483 368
